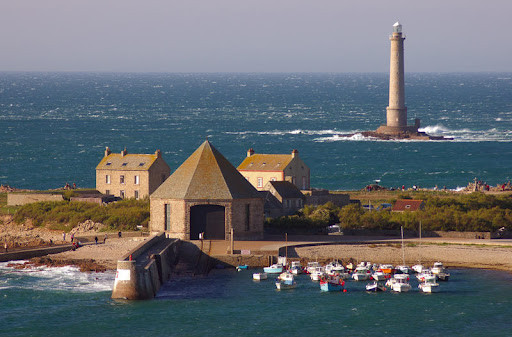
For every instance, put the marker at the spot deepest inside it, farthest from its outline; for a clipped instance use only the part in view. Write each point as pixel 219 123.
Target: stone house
pixel 282 198
pixel 408 205
pixel 206 194
pixel 259 169
pixel 127 175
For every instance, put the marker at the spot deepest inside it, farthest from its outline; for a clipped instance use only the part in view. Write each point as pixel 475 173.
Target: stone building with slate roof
pixel 206 194
pixel 259 169
pixel 282 198
pixel 127 175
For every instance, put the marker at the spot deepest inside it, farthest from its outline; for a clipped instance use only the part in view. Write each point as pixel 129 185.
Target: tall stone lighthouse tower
pixel 396 112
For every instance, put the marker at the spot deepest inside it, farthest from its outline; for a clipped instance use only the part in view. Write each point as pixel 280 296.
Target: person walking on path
pixel 63 236
pixel 105 238
pixel 5 246
pixel 72 237
pixel 96 239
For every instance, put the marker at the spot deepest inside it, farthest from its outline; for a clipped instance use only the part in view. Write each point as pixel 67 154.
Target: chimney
pixel 250 152
pixel 158 154
pixel 124 152
pixel 107 151
pixel 295 153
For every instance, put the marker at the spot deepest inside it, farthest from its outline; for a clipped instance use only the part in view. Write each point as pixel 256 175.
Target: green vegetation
pixel 475 212
pixel 64 215
pixel 4 209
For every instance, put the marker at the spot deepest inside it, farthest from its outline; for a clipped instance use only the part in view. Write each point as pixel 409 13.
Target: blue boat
pixel 242 267
pixel 331 284
pixel 274 269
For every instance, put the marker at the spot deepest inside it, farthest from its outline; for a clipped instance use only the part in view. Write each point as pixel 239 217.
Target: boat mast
pixel 403 251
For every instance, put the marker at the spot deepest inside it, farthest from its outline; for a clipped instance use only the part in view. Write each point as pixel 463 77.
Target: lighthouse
pixel 396 112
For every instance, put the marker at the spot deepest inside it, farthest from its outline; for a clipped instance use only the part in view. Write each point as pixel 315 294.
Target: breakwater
pixel 26 254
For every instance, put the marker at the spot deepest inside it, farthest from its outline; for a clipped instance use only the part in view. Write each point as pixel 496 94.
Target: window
pixel 167 217
pixel 109 163
pixel 247 216
pixel 303 182
pixel 273 179
pixel 121 194
pixel 136 195
pixel 107 192
pixel 136 180
pixel 141 164
pixel 124 164
pixel 121 179
pixel 107 179
pixel 260 182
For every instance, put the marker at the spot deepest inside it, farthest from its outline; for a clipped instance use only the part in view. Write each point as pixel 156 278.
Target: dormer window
pixel 141 164
pixel 124 164
pixel 407 206
pixel 109 163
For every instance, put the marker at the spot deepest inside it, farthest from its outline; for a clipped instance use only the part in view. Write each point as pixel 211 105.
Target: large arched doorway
pixel 209 219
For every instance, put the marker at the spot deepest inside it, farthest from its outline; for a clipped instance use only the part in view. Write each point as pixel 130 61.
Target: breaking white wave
pixel 287 132
pixel 68 278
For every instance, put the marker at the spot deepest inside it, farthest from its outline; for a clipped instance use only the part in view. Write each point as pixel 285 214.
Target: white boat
pixel 400 283
pixel 286 281
pixel 440 271
pixel 334 266
pixel 274 269
pixel 375 287
pixel 403 269
pixel 418 268
pixel 296 268
pixel 285 276
pixel 426 276
pixel 361 274
pixel 259 276
pixel 379 275
pixel 317 273
pixel 429 287
pixel 311 266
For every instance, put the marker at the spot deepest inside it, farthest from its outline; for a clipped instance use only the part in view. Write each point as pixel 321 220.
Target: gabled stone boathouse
pixel 207 194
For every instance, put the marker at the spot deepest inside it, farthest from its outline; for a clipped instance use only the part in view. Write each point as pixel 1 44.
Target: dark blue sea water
pixel 54 126
pixel 64 302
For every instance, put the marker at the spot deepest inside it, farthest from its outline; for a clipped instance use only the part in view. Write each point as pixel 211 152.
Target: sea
pixel 54 128
pixel 61 301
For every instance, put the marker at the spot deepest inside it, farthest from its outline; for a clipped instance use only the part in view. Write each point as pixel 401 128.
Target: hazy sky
pixel 253 35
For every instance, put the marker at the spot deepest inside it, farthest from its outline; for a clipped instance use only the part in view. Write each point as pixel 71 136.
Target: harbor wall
pixel 30 253
pixel 140 276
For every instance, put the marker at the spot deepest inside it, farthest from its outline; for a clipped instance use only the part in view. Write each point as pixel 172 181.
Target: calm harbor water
pixel 54 126
pixel 63 301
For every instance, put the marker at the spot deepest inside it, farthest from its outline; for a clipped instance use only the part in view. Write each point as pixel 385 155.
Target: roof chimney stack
pixel 250 152
pixel 107 151
pixel 158 153
pixel 295 153
pixel 124 152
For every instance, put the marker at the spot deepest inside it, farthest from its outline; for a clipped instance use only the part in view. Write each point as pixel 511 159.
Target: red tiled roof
pixel 402 205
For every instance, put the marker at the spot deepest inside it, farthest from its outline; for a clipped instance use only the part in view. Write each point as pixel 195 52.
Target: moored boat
pixel 285 281
pixel 296 268
pixel 317 273
pixel 379 275
pixel 400 283
pixel 274 269
pixel 375 287
pixel 242 267
pixel 259 276
pixel 331 283
pixel 361 274
pixel 429 287
pixel 440 271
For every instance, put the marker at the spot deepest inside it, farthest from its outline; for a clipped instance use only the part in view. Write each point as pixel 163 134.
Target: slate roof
pixel 265 162
pixel 402 205
pixel 206 174
pixel 286 189
pixel 128 162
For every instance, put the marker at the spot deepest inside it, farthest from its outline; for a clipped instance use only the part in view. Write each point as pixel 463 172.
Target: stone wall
pixel 18 199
